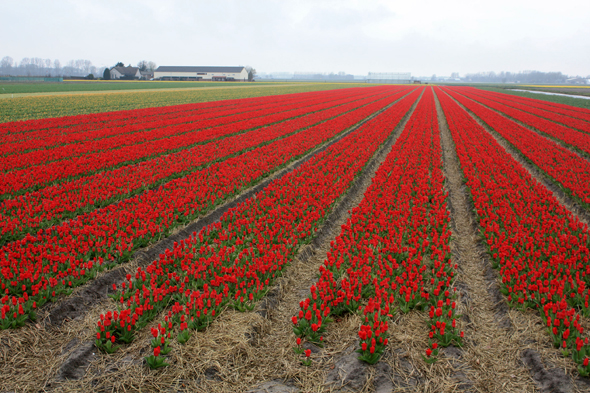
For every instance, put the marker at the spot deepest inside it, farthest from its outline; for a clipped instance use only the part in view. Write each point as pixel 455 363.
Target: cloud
pixel 422 37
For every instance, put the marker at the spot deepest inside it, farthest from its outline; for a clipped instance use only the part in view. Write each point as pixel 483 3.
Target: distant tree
pixel 25 66
pixel 151 66
pixel 251 73
pixel 6 65
pixel 106 74
pixel 120 64
pixel 90 76
pixel 433 77
pixel 521 77
pixel 79 65
pixel 57 66
pixel 142 65
pixel 6 62
pixel 87 66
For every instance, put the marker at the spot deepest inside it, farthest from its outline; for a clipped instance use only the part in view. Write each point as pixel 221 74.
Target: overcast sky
pixel 421 37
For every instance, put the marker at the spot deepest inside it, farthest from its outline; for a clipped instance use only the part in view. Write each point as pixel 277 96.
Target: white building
pixel 125 73
pixel 201 73
pixel 391 76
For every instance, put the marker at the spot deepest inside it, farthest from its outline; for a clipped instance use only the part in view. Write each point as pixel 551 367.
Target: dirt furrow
pixel 490 350
pixel 517 352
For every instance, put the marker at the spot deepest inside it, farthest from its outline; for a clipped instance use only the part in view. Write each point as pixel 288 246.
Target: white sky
pixel 422 37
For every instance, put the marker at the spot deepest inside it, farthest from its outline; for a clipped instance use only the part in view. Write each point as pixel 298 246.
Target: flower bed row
pixel 86 122
pixel 39 268
pixel 48 138
pixel 563 165
pixel 524 112
pixel 51 205
pixel 393 252
pixel 578 139
pixel 562 109
pixel 52 147
pixel 36 177
pixel 541 250
pixel 82 123
pixel 233 262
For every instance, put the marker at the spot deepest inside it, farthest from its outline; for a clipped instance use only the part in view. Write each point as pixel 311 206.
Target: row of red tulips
pixel 564 166
pixel 542 111
pixel 233 262
pixel 55 260
pixel 541 250
pixel 47 138
pixel 38 177
pixel 37 151
pixel 562 109
pixel 393 252
pixel 575 138
pixel 84 123
pixel 51 205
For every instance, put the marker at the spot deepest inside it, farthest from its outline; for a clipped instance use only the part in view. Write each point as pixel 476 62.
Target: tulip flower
pixel 541 261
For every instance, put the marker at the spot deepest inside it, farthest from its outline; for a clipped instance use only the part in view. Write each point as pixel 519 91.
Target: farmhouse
pixel 147 75
pixel 201 73
pixel 125 73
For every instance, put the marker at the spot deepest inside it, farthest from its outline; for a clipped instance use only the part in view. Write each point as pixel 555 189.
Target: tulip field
pixel 300 242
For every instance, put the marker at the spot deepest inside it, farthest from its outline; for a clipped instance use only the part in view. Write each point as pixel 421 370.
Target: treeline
pixel 36 66
pixel 517 77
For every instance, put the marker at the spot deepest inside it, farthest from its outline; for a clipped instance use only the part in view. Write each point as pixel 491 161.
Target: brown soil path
pixel 491 349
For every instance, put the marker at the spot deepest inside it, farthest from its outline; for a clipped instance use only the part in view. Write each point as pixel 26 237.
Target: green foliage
pixel 251 74
pixel 577 102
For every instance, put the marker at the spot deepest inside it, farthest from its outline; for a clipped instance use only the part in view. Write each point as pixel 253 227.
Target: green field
pixel 51 87
pixel 77 103
pixel 579 102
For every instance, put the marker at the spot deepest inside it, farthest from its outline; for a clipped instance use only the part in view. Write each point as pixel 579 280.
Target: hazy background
pixel 421 37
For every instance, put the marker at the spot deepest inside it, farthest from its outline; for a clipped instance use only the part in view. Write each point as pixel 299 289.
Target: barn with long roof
pixel 201 73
